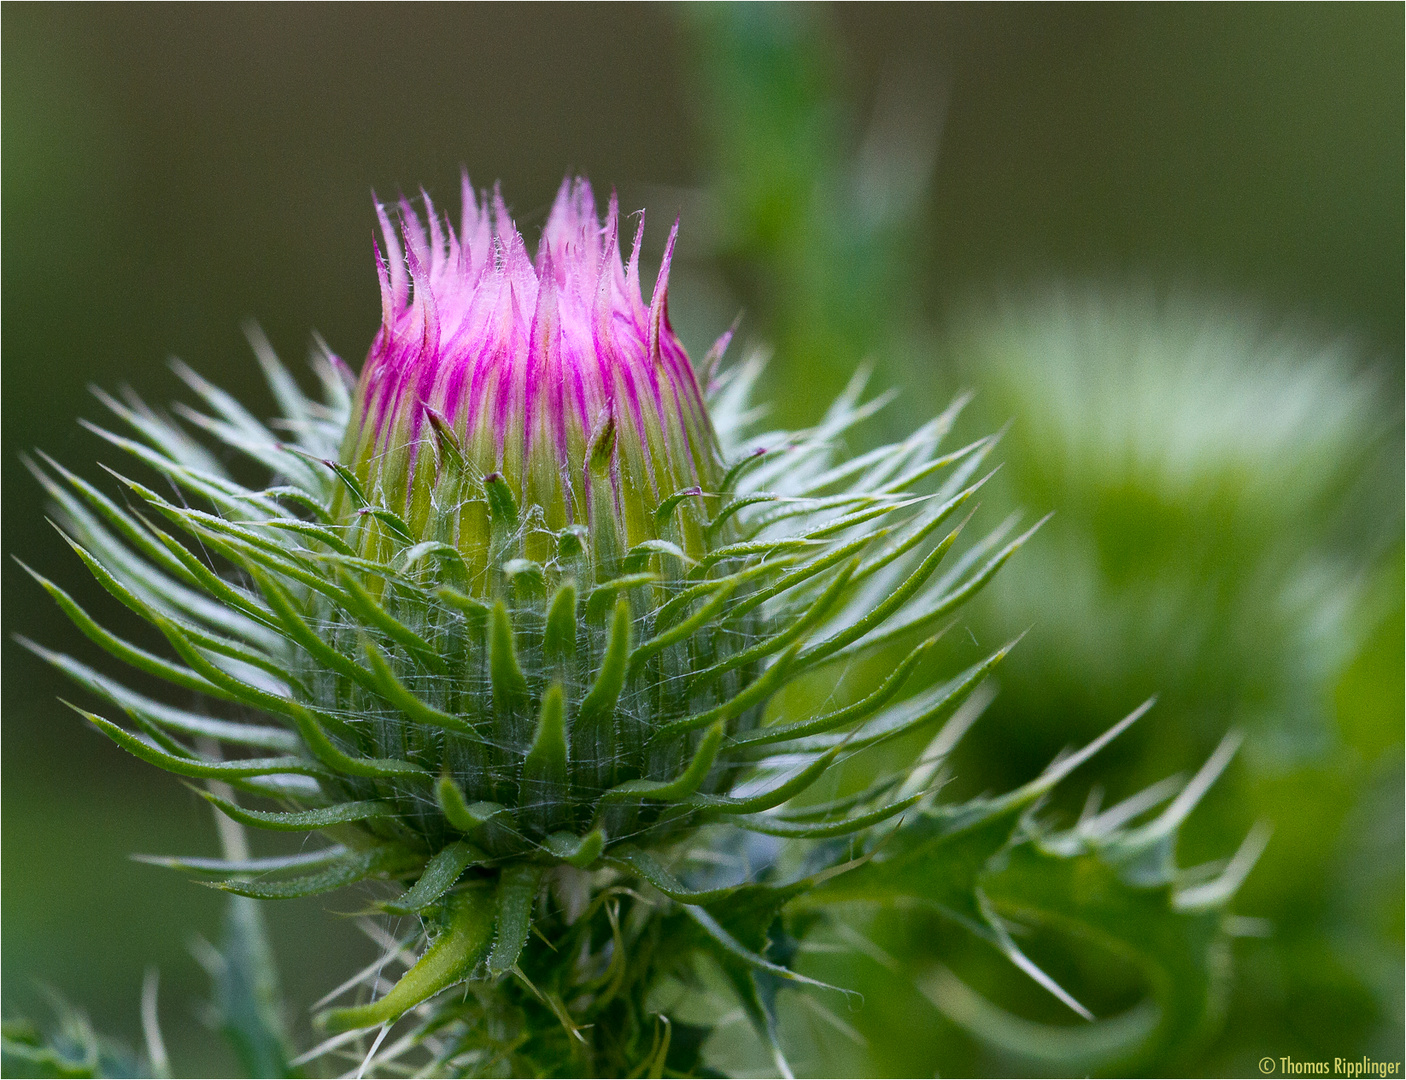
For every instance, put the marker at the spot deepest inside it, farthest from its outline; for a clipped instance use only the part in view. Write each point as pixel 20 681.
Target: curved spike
pixel 439 876
pixel 773 826
pixel 160 715
pixel 924 710
pixel 599 703
pixel 787 789
pixel 197 767
pixel 122 650
pixel 449 959
pixel 366 606
pixel 559 637
pixel 215 643
pixel 464 816
pixel 501 503
pixel 642 864
pixel 929 613
pixel 517 892
pixel 682 786
pixel 757 691
pixel 297 629
pixel 599 597
pixel 831 720
pixel 348 870
pixel 394 691
pixel 298 820
pixel 579 851
pixel 542 791
pixel 509 684
pixel 795 632
pixel 309 725
pixel 881 611
pixel 705 614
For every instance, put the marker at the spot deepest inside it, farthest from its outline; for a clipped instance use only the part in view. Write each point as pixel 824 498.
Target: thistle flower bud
pixel 552 375
pixel 518 600
pixel 529 438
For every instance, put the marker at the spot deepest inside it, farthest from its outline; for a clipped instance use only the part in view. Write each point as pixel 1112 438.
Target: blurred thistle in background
pixel 1226 480
pixel 1227 533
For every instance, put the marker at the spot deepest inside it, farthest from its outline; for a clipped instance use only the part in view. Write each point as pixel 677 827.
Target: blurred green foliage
pixel 867 171
pixel 1227 490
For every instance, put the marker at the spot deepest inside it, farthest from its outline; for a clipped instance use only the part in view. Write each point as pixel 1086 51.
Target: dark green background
pixel 170 171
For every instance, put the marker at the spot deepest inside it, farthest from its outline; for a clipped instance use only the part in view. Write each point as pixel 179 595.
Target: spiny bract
pixel 518 598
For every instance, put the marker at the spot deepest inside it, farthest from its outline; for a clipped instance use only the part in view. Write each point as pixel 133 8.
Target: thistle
pixel 509 624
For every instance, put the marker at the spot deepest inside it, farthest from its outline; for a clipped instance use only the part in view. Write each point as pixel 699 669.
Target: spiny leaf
pixel 672 607
pixel 748 548
pixel 916 536
pixel 150 563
